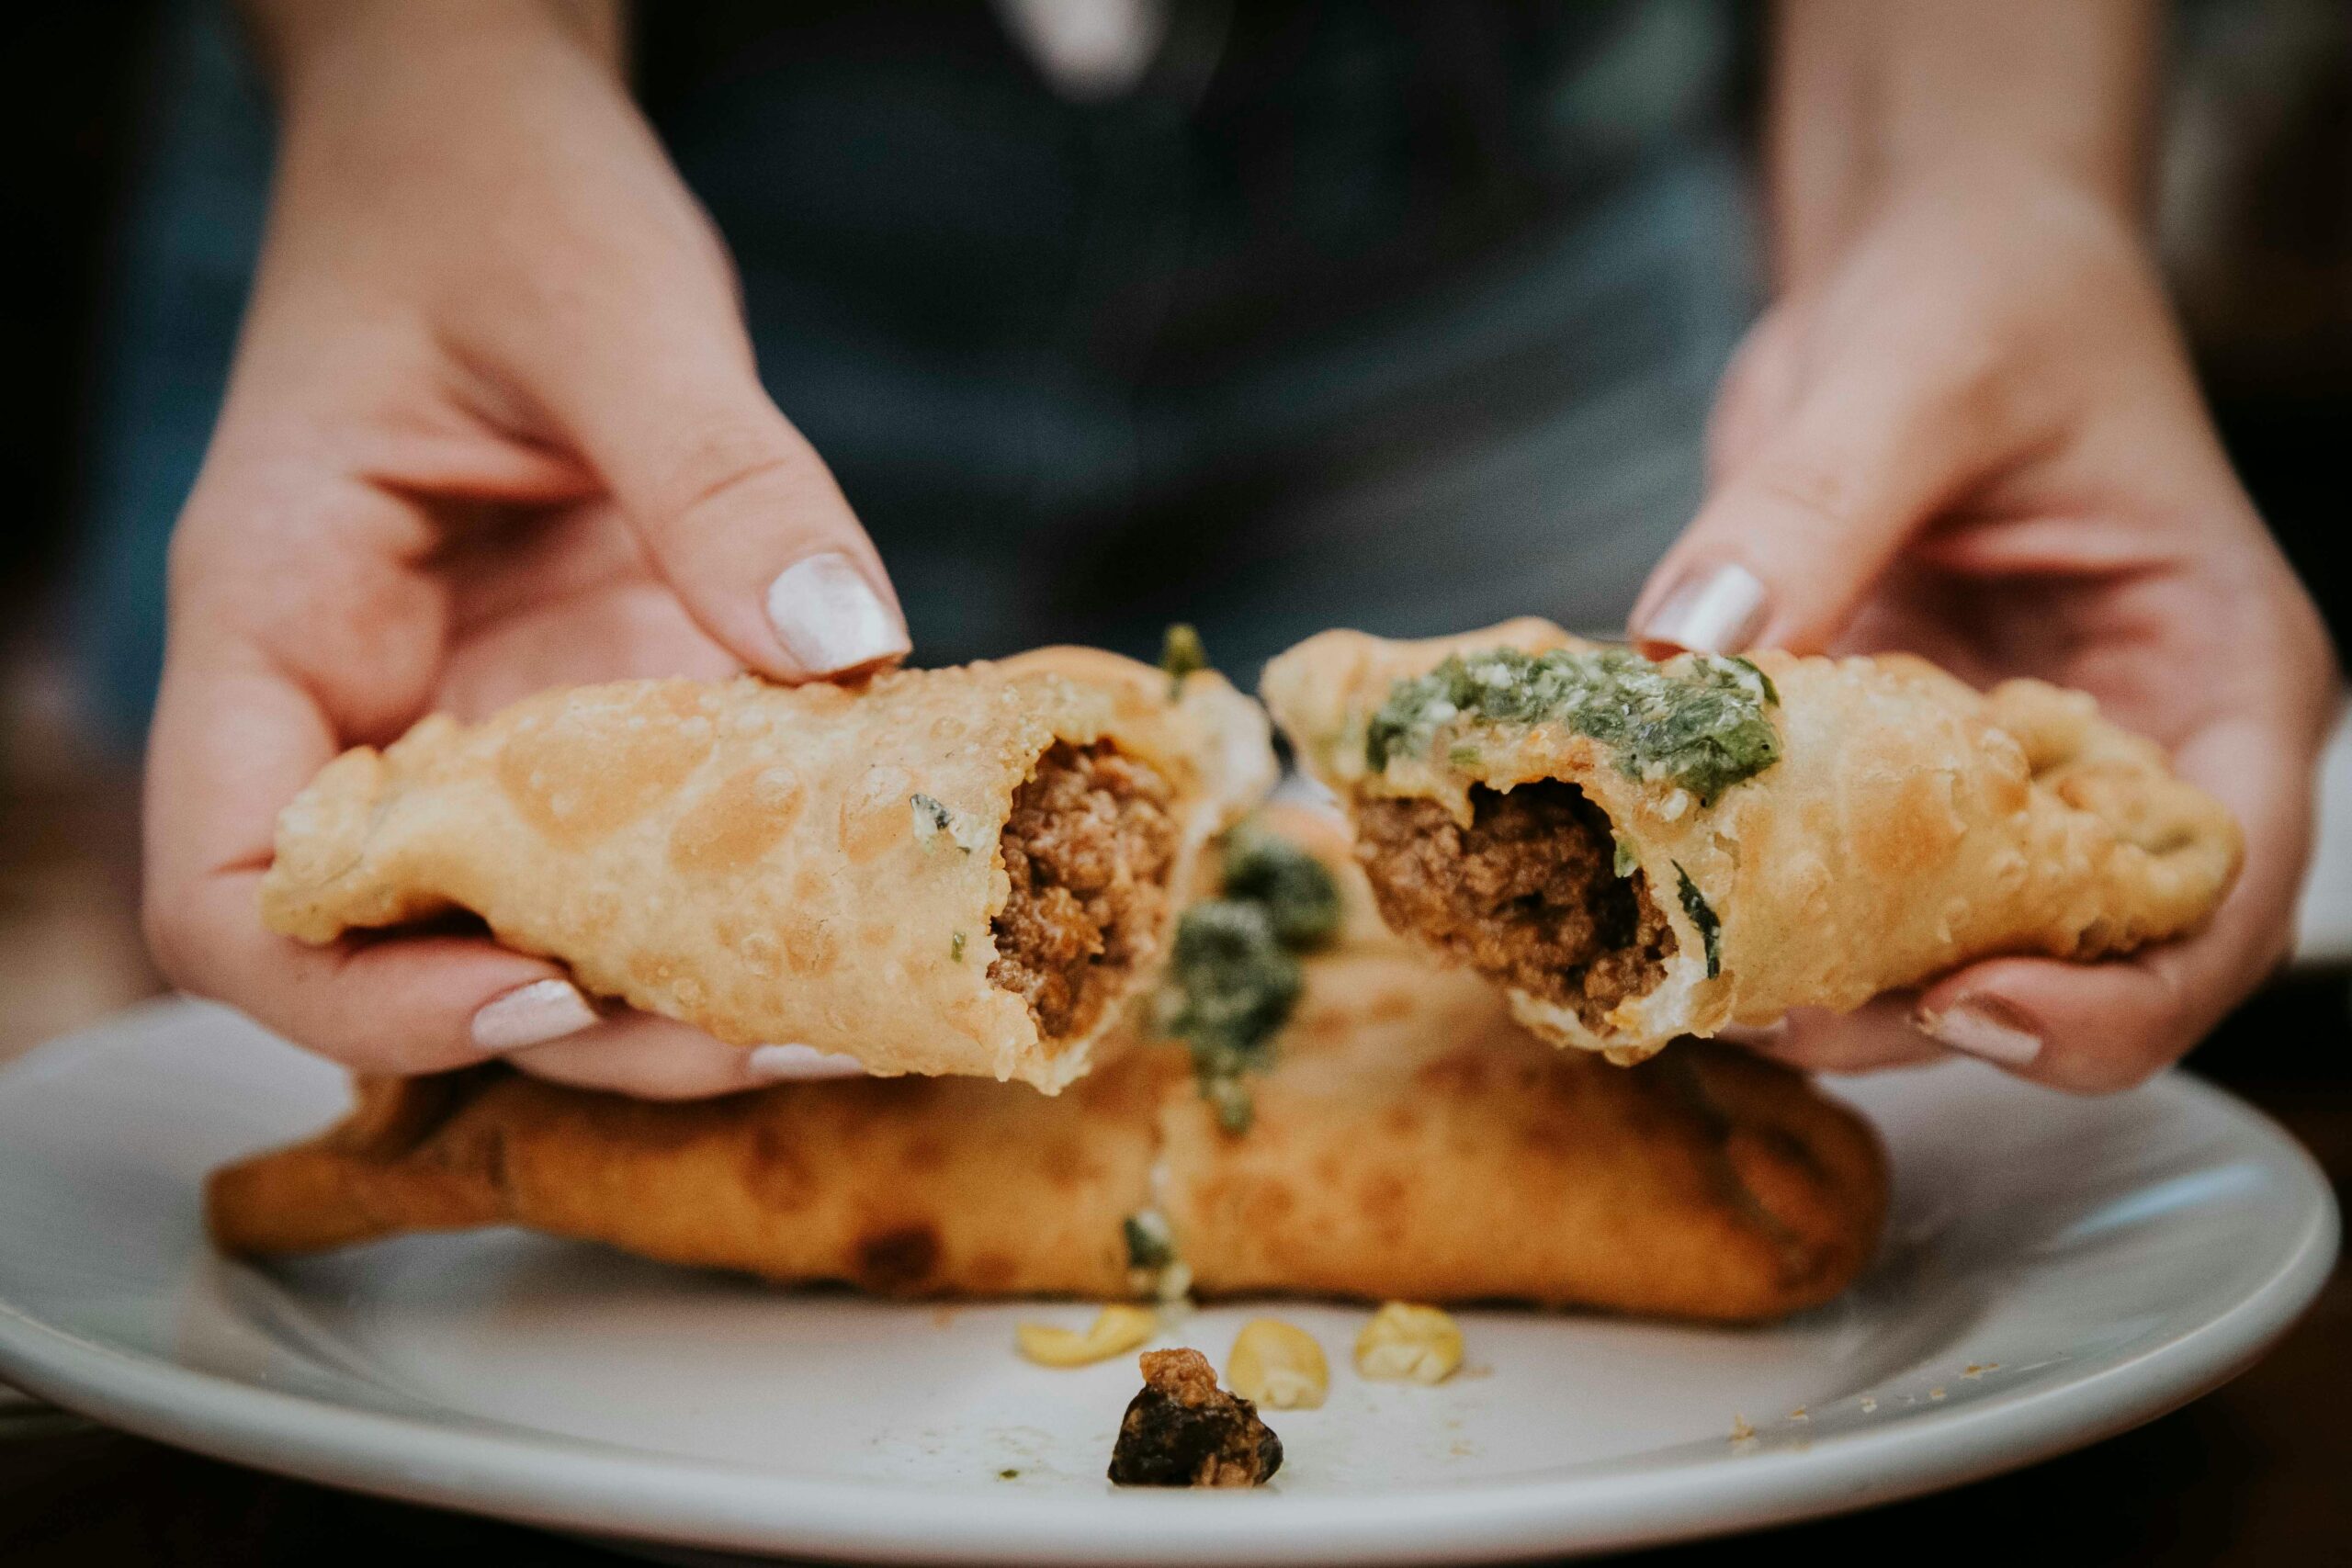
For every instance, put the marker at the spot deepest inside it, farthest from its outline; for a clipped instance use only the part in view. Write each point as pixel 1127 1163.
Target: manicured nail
pixel 1984 1026
pixel 532 1015
pixel 783 1064
pixel 1716 609
pixel 829 616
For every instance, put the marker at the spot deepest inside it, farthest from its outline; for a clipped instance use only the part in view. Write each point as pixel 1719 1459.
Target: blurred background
pixel 135 142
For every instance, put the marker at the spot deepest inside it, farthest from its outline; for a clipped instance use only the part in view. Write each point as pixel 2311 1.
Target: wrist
pixel 321 54
pixel 1873 106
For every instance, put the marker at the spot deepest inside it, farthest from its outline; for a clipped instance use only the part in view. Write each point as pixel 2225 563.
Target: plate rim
pixel 562 1482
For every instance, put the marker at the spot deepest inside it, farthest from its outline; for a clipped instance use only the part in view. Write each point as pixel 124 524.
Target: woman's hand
pixel 494 426
pixel 1974 433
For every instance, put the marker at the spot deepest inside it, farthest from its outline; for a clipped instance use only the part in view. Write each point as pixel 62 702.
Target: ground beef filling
pixel 1526 895
pixel 1089 847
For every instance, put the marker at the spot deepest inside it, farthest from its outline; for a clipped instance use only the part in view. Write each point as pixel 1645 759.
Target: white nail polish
pixel 785 1064
pixel 532 1015
pixel 1983 1028
pixel 829 616
pixel 1717 609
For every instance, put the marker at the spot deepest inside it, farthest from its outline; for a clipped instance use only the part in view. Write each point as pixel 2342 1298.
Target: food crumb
pixel 1183 1431
pixel 1976 1371
pixel 1935 1393
pixel 1798 1413
pixel 1868 1405
pixel 1008 1475
pixel 1741 1431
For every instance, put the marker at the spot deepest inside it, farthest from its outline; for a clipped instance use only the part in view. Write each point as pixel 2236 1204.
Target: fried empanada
pixel 944 871
pixel 1643 850
pixel 1410 1143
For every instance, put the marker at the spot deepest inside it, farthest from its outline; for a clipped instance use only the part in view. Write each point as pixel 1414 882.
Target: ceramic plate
pixel 2057 1270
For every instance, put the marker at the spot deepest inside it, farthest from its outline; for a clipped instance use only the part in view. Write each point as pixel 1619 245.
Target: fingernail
pixel 829 616
pixel 532 1015
pixel 1756 1036
pixel 1716 609
pixel 1984 1026
pixel 780 1063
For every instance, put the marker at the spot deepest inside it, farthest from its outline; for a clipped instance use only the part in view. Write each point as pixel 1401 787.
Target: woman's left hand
pixel 1975 436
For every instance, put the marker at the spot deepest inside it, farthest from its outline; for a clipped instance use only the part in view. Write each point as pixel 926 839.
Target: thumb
pixel 733 507
pixel 1798 528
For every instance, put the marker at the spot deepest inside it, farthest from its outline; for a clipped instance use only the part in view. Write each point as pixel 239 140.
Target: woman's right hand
pixel 494 426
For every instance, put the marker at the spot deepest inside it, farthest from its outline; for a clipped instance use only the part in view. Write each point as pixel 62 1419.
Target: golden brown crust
pixel 1411 1144
pixel 745 857
pixel 1910 824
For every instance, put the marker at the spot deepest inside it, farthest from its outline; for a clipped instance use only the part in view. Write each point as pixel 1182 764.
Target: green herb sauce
pixel 1150 1244
pixel 1235 976
pixel 1711 930
pixel 1232 985
pixel 1298 895
pixel 1699 721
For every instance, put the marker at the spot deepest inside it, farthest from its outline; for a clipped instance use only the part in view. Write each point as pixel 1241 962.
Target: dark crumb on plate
pixel 1183 1431
pixel 1008 1475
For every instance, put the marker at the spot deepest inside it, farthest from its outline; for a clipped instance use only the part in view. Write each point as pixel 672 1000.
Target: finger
pixel 393 1005
pixel 649 1057
pixel 1796 532
pixel 2098 1027
pixel 1878 1035
pixel 235 738
pixel 656 385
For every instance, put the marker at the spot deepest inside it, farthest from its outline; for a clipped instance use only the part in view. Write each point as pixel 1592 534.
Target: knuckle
pixel 1816 495
pixel 718 464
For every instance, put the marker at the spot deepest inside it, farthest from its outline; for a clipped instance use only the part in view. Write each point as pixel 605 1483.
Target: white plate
pixel 2058 1270
pixel 2324 922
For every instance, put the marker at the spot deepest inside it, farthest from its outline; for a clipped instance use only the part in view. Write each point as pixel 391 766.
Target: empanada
pixel 1639 850
pixel 942 871
pixel 1409 1143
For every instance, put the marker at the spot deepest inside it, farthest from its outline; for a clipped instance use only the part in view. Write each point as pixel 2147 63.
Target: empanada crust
pixel 1910 824
pixel 744 856
pixel 1411 1143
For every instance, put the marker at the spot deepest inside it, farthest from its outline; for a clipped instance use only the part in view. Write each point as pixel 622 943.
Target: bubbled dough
pixel 1910 824
pixel 742 856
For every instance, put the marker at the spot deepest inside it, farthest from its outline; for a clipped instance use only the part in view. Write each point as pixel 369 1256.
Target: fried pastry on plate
pixel 1409 1142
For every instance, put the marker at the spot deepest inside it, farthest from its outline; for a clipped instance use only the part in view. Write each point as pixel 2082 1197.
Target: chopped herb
pixel 1180 654
pixel 1625 864
pixel 1698 720
pixel 1150 1244
pixel 931 819
pixel 1771 692
pixel 955 947
pixel 1299 896
pixel 1008 1475
pixel 1236 1107
pixel 1463 757
pixel 1232 985
pixel 1711 930
pixel 1234 975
